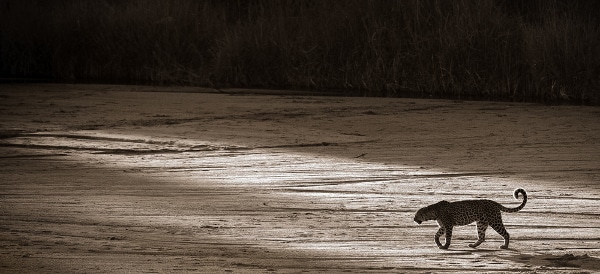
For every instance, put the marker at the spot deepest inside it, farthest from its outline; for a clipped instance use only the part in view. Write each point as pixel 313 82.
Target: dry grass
pixel 541 51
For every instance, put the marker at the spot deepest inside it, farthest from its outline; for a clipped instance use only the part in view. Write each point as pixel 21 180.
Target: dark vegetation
pixel 520 50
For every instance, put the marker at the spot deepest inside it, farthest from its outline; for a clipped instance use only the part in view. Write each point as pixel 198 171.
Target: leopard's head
pixel 427 213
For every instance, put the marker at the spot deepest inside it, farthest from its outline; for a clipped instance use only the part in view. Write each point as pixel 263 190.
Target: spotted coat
pixel 484 212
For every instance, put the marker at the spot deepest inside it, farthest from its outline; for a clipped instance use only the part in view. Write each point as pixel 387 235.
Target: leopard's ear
pixel 442 203
pixel 441 206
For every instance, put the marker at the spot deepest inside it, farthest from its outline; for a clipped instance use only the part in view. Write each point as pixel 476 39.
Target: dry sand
pixel 114 179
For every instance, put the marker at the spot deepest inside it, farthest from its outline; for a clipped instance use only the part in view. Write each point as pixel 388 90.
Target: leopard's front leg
pixel 439 233
pixel 448 238
pixel 481 227
pixel 443 230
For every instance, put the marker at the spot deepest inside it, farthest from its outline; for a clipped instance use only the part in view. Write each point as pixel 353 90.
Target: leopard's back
pixel 469 211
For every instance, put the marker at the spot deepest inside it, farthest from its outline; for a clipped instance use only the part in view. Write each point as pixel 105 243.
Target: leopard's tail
pixel 516 194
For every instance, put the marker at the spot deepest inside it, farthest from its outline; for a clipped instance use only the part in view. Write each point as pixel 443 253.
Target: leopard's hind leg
pixel 499 227
pixel 481 228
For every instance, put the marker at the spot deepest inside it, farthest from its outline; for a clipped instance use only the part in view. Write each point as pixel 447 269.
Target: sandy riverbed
pixel 113 179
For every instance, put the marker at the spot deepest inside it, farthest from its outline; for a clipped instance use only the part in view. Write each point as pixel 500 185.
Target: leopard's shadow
pixel 462 251
pixel 485 250
pixel 583 261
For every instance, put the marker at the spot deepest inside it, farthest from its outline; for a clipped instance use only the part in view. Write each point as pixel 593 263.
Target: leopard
pixel 484 212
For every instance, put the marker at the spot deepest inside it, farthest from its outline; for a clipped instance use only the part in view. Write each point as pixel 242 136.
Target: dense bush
pixel 535 50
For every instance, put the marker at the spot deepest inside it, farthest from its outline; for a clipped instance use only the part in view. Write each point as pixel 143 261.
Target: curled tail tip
pixel 519 190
